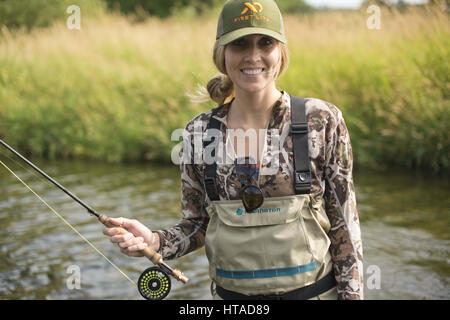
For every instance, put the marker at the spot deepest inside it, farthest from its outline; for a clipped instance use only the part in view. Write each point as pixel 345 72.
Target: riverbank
pixel 116 90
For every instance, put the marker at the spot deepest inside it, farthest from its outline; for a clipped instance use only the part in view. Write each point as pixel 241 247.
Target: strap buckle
pixel 299 128
pixel 211 188
pixel 302 182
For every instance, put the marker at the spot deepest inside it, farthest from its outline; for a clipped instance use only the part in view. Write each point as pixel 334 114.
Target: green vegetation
pixel 115 90
pixel 392 84
pixel 161 8
pixel 43 13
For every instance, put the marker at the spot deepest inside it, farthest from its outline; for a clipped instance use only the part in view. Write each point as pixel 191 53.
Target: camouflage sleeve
pixel 189 233
pixel 340 200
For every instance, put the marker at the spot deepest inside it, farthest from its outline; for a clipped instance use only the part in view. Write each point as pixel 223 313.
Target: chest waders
pixel 278 251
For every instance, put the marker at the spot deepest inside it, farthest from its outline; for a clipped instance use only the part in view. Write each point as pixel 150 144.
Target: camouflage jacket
pixel 331 173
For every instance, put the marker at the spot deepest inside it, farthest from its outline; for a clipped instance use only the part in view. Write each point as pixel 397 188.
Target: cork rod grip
pixel 150 254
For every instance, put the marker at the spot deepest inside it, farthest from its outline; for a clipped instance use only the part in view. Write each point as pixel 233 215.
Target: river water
pixel 405 219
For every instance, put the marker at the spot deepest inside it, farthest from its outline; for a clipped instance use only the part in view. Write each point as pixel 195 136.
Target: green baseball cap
pixel 240 18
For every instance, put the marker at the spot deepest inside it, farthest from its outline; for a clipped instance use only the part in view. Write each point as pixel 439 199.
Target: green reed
pixel 116 90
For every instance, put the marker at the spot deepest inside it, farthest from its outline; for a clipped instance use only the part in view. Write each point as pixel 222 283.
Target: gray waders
pixel 278 251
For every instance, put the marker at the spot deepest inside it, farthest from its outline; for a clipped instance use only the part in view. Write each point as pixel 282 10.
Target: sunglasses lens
pixel 252 198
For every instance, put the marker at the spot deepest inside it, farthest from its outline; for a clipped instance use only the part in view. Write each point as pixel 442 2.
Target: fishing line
pixel 29 171
pixel 154 283
pixel 68 224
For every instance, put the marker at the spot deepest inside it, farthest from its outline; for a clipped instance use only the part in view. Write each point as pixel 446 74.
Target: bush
pixel 160 8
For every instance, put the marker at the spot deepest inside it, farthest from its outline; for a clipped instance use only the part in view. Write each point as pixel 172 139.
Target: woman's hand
pixel 131 236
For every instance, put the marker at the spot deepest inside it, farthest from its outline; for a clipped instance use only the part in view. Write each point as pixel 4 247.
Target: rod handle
pixel 177 274
pixel 150 254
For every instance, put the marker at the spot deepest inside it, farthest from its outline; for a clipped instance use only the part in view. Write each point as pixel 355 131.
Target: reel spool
pixel 154 284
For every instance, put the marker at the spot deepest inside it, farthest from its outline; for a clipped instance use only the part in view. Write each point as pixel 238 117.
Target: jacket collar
pixel 278 111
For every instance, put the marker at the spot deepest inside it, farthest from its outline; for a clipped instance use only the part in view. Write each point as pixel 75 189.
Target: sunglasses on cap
pixel 250 194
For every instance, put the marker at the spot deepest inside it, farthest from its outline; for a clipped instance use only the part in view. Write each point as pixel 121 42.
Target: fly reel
pixel 154 284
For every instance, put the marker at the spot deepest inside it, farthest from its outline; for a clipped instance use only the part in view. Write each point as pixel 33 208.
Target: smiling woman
pixel 310 246
pixel 220 88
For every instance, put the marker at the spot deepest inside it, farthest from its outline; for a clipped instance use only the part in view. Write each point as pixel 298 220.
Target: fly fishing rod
pixel 154 283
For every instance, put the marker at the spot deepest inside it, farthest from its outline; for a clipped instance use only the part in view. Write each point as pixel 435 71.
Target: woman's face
pixel 252 62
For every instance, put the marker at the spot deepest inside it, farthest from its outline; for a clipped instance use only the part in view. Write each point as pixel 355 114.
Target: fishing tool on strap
pixel 154 283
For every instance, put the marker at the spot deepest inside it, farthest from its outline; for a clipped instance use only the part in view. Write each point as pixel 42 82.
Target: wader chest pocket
pixel 267 250
pixel 275 211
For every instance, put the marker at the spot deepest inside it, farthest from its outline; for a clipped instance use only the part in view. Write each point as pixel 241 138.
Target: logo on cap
pixel 255 13
pixel 251 6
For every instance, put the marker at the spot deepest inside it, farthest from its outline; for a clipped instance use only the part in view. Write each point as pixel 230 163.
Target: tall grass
pixel 392 84
pixel 115 90
pixel 43 13
pixel 112 90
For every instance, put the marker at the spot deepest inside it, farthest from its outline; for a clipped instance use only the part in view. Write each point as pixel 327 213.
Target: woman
pixel 287 243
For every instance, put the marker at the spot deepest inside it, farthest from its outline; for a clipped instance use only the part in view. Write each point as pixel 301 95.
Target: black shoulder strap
pixel 299 133
pixel 210 170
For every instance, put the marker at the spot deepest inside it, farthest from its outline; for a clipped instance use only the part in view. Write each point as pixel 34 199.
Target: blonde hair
pixel 220 88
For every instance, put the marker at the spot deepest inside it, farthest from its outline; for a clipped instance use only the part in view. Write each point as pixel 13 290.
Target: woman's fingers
pixel 117 221
pixel 130 235
pixel 109 231
pixel 134 250
pixel 131 242
pixel 137 247
pixel 117 238
pixel 126 240
pixel 131 225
